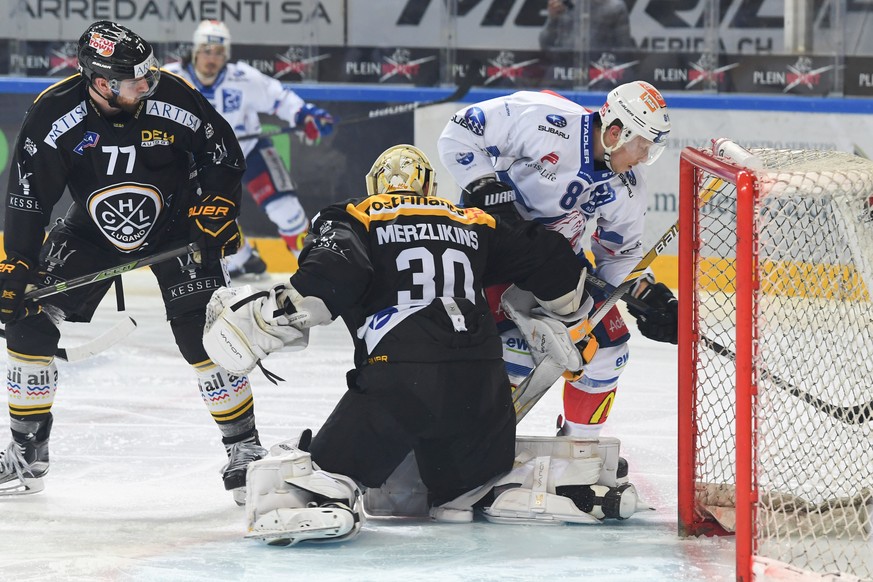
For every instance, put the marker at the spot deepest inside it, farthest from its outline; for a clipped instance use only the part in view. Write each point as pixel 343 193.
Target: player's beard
pixel 127 105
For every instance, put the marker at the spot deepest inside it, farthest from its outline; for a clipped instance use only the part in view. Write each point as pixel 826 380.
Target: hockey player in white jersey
pixel 240 93
pixel 542 157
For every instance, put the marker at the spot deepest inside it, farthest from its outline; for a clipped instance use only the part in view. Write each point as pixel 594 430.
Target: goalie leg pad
pixel 403 493
pixel 289 500
pixel 564 480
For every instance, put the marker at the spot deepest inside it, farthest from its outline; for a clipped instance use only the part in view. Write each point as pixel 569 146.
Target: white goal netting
pixel 812 358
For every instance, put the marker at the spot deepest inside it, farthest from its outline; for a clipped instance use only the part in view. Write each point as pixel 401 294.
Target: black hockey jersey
pixel 407 273
pixel 131 177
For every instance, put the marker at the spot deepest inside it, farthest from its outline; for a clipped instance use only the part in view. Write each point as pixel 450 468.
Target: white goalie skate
pixel 289 500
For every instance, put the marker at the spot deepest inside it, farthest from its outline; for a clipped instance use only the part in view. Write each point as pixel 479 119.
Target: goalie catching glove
pixel 660 321
pixel 243 326
pixel 214 227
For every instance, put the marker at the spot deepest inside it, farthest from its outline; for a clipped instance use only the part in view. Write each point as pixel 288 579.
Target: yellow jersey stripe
pixel 385 207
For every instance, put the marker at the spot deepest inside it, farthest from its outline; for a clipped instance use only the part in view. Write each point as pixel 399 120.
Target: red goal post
pixel 776 357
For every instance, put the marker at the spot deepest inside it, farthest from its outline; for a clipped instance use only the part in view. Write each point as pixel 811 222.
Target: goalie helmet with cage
pixel 641 112
pixel 402 168
pixel 211 33
pixel 122 57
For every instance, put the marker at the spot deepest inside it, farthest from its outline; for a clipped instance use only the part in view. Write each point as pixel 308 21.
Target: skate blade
pixel 17 488
pixel 292 537
pixel 287 526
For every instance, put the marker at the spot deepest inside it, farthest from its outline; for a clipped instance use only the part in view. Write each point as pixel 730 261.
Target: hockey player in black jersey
pixel 150 165
pixel 405 270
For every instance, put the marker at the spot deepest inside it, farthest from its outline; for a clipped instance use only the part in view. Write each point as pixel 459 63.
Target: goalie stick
pixel 121 329
pixel 459 93
pixel 525 396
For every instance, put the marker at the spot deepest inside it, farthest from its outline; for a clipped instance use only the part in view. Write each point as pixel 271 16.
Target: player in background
pixel 240 93
pixel 406 272
pixel 542 157
pixel 121 136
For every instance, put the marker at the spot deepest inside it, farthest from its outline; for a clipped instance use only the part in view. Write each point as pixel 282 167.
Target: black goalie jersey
pixel 407 274
pixel 131 177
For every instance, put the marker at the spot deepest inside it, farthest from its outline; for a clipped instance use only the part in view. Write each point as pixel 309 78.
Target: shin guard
pixel 31 383
pixel 228 397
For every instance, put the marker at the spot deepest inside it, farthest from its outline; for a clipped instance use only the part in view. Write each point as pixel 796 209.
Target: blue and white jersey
pixel 240 93
pixel 543 145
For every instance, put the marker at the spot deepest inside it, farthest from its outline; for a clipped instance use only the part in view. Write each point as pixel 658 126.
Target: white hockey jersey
pixel 542 145
pixel 240 93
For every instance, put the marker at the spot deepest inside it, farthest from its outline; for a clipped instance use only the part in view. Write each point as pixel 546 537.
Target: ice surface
pixel 134 491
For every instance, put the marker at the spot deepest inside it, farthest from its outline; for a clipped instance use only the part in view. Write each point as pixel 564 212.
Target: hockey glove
pixel 313 123
pixel 659 322
pixel 15 274
pixel 493 196
pixel 214 227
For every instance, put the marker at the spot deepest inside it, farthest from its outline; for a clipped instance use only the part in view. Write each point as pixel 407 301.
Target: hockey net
pixel 776 358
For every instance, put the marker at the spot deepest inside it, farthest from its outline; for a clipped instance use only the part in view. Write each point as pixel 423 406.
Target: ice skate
pixel 239 455
pixel 25 462
pixel 253 267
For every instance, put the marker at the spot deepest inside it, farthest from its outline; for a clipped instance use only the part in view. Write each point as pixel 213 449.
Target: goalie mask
pixel 641 112
pixel 402 168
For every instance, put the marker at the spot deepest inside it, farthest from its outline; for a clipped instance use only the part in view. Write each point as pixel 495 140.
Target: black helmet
pixel 116 53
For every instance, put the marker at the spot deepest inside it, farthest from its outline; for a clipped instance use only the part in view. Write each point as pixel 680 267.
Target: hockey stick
pixel 92 347
pixel 459 93
pixel 857 414
pixel 121 329
pixel 525 396
pixel 109 273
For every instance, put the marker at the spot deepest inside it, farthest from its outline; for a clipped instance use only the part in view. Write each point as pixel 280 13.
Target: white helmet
pixel 211 32
pixel 641 111
pixel 401 168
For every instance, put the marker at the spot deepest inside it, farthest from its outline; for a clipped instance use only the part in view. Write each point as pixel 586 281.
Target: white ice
pixel 134 491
